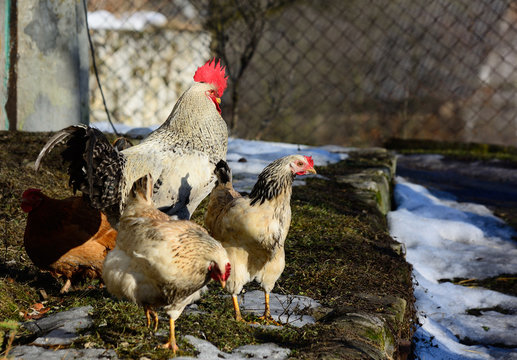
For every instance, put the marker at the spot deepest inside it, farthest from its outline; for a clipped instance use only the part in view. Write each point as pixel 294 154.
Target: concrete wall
pixel 52 86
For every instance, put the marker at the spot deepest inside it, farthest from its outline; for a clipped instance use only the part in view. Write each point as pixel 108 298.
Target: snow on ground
pixel 446 239
pixel 286 309
pixel 207 351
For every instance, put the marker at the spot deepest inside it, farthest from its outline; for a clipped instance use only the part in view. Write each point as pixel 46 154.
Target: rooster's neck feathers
pixel 276 179
pixel 194 124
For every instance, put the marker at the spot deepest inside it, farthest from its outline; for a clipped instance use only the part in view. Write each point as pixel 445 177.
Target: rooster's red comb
pixel 212 73
pixel 310 161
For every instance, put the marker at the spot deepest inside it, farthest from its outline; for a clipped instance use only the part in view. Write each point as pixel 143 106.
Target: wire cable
pixel 92 51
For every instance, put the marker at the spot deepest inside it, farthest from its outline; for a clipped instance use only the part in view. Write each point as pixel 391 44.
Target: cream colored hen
pixel 161 262
pixel 253 229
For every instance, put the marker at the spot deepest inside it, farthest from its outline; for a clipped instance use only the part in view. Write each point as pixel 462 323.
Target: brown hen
pixel 66 237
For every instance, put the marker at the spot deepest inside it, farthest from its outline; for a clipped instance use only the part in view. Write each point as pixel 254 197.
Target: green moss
pixel 15 299
pixel 462 151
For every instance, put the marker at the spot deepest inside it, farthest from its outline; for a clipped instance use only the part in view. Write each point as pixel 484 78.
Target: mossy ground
pixel 457 150
pixel 337 249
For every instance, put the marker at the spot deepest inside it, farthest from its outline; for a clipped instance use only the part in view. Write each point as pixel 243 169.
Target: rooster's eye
pixel 300 163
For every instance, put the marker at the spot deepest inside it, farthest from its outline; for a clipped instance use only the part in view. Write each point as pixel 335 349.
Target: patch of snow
pixel 27 352
pixel 207 351
pixel 60 328
pixel 286 309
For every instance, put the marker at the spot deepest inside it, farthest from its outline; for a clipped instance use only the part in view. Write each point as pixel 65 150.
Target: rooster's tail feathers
pixel 57 139
pixel 95 166
pixel 143 188
pixel 223 172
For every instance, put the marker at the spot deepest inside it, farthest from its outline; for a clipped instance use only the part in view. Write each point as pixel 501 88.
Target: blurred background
pixel 346 72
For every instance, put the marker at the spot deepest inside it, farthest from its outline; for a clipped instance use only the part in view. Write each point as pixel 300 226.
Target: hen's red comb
pixel 212 73
pixel 29 191
pixel 310 161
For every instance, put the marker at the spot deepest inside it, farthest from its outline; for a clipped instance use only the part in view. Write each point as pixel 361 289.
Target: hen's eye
pixel 300 163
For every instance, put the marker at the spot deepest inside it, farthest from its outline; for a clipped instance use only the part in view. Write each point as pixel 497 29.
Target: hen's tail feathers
pixel 143 187
pixel 95 166
pixel 223 172
pixel 121 143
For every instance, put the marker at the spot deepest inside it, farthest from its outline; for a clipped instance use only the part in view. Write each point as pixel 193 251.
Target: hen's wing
pixel 166 255
pixel 221 196
pixel 252 227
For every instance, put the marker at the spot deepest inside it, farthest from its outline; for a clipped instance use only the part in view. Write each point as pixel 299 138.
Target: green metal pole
pixel 7 45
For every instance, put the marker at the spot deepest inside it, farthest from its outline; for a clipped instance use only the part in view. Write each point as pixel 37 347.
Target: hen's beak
pixel 218 100
pixel 311 171
pixel 223 283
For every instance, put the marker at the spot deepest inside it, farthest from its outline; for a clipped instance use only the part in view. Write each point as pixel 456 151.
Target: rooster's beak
pixel 312 171
pixel 218 100
pixel 223 283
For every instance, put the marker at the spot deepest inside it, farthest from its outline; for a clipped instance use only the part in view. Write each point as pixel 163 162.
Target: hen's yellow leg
pixel 148 313
pixel 267 313
pixel 238 315
pixel 171 344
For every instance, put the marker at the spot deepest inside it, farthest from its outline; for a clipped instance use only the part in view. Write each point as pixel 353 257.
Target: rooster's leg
pixel 148 313
pixel 171 344
pixel 66 287
pixel 267 312
pixel 238 315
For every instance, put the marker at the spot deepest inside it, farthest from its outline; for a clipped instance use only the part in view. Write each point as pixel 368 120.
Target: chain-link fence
pixel 350 72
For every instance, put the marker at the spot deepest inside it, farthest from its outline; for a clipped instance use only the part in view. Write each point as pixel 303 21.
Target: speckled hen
pixel 253 229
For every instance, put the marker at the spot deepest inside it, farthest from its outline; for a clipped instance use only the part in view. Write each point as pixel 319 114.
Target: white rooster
pixel 180 155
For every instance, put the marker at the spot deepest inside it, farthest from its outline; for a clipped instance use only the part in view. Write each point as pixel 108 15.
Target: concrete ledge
pixel 371 334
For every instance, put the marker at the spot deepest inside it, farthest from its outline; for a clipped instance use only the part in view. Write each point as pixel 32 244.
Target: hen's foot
pixel 268 319
pixel 66 287
pixel 171 346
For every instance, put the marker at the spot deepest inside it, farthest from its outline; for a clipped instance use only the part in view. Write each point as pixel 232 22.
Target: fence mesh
pixel 350 72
